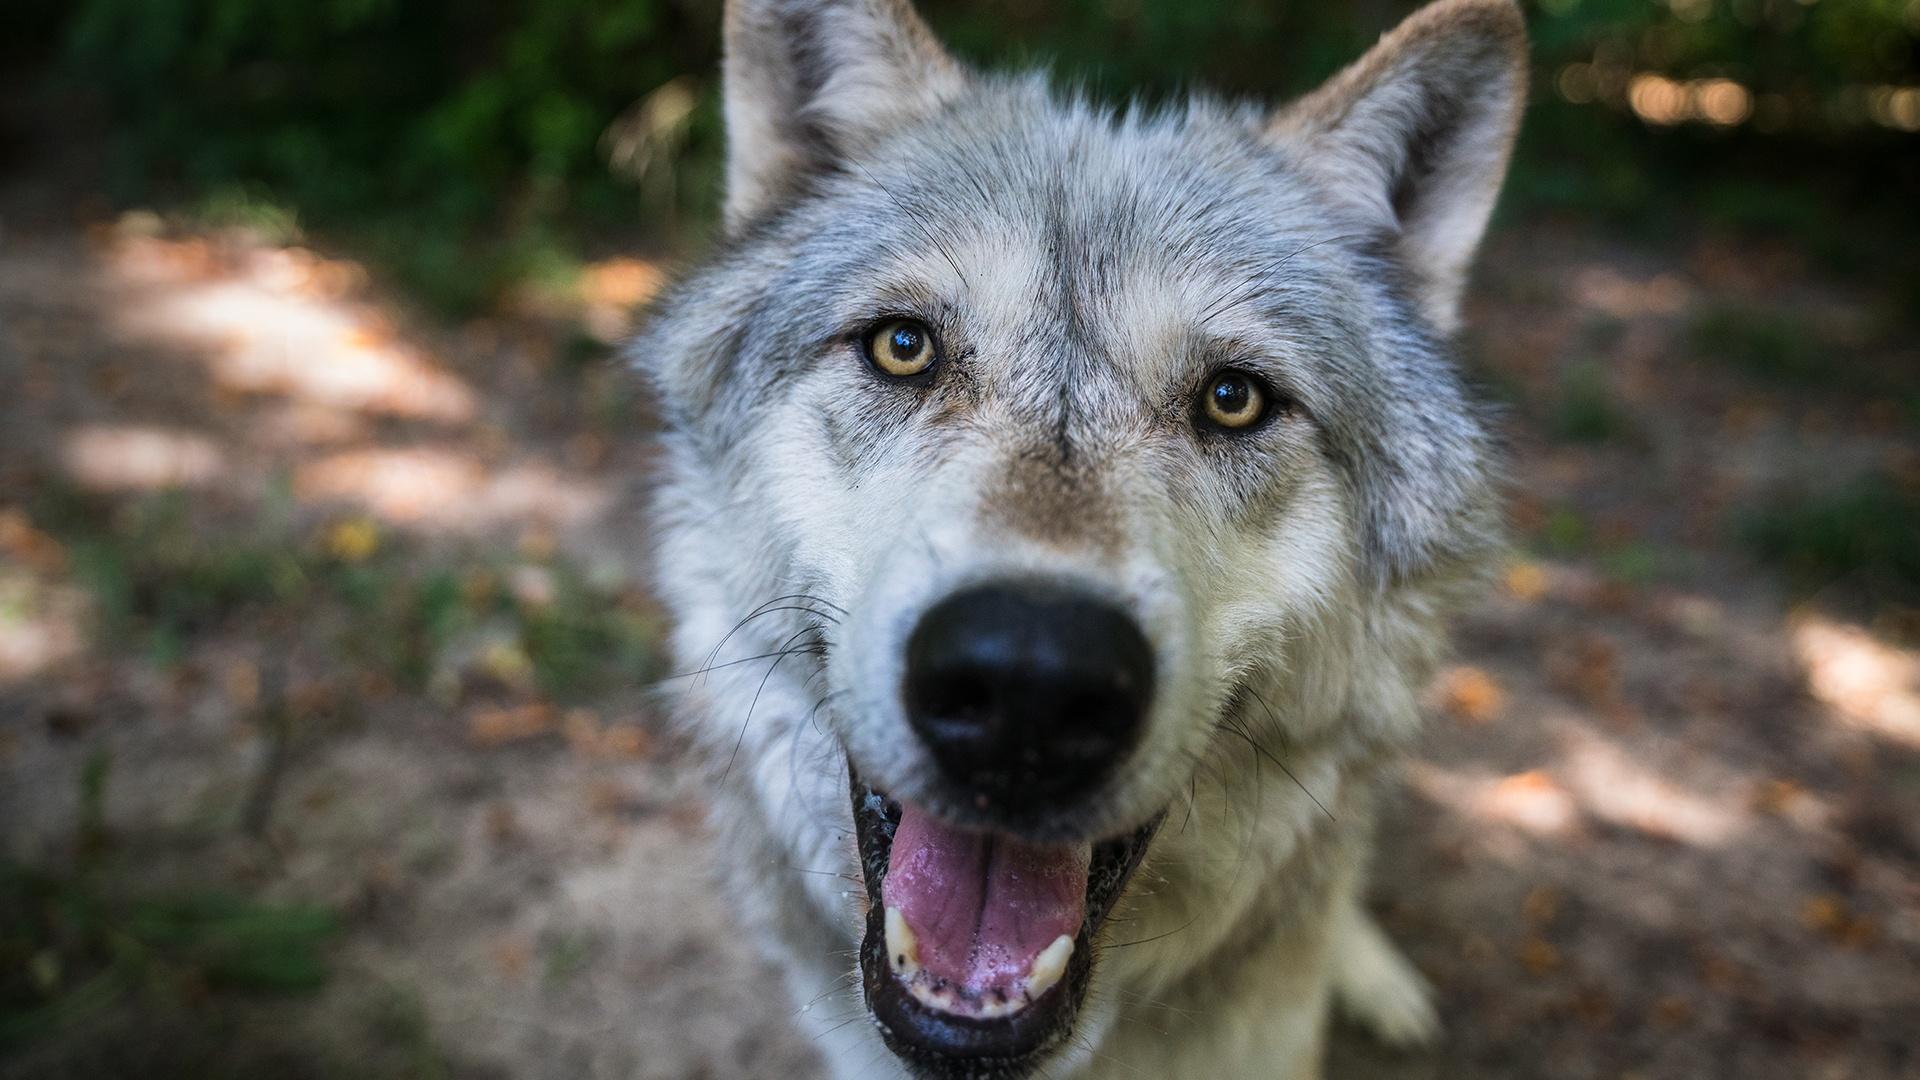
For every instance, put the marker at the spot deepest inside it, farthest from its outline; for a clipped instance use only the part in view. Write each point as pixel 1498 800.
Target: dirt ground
pixel 1666 822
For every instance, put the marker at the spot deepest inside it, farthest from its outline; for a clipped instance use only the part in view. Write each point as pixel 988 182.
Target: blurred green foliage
pixel 466 145
pixel 1771 345
pixel 106 971
pixel 78 942
pixel 448 138
pixel 1862 530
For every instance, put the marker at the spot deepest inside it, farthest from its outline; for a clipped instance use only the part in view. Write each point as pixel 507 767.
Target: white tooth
pixel 993 1010
pixel 903 950
pixel 1049 966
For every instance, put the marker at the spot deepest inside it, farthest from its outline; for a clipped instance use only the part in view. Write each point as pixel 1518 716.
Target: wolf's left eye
pixel 901 348
pixel 1233 401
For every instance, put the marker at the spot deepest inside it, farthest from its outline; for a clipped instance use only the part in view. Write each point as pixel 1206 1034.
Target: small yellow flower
pixel 353 541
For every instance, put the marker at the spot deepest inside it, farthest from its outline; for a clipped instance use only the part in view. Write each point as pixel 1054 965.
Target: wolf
pixel 1059 506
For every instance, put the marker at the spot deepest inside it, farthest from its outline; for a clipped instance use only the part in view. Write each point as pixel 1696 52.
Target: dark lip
pixel 943 1046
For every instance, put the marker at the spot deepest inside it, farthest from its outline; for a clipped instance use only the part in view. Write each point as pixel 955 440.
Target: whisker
pixel 820 648
pixel 1156 937
pixel 769 608
pixel 919 226
pixel 1143 1000
pixel 1086 1044
pixel 842 983
pixel 1243 733
pixel 838 1026
pixel 786 650
pixel 813 717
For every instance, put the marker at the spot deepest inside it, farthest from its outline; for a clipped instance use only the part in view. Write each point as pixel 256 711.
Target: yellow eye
pixel 901 348
pixel 1234 401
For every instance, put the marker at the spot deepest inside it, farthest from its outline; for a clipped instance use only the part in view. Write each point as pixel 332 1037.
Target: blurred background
pixel 326 748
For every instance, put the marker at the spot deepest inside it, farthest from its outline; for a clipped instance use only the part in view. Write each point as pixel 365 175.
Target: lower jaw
pixel 938 1044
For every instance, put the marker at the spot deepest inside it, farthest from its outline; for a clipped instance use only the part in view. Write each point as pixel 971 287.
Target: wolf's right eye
pixel 1233 401
pixel 901 348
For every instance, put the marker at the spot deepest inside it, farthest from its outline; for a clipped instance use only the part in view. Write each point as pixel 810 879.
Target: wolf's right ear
pixel 808 81
pixel 1416 134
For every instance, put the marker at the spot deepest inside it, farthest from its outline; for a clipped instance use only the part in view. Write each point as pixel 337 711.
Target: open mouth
pixel 978 945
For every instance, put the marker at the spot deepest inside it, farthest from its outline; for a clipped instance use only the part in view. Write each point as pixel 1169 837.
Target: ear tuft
pixel 1417 133
pixel 808 82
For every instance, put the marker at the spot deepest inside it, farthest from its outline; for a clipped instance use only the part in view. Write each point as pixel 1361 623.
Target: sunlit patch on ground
pixel 1592 782
pixel 39 626
pixel 1615 786
pixel 1606 289
pixel 109 457
pixel 1532 802
pixel 446 490
pixel 1867 683
pixel 256 339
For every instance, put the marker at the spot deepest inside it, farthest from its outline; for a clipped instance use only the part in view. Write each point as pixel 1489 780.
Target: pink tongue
pixel 982 905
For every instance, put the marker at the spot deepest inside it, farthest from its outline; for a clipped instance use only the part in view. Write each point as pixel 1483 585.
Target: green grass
pixel 77 943
pixel 580 640
pixel 1864 528
pixel 107 969
pixel 1789 351
pixel 567 957
pixel 160 579
pixel 1564 533
pixel 1585 410
pixel 1768 345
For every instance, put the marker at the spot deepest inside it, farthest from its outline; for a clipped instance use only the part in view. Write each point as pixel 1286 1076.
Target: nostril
pixel 1078 709
pixel 1027 691
pixel 959 694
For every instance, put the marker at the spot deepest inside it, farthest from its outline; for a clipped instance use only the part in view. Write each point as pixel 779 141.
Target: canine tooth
pixel 1049 966
pixel 903 949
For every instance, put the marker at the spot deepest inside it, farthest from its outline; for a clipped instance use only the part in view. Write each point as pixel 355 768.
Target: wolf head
pixel 1053 450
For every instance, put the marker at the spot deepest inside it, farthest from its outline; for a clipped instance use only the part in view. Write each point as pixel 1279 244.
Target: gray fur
pixel 1086 269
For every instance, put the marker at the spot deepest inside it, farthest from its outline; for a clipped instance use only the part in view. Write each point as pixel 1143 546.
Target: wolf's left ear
pixel 1418 131
pixel 809 81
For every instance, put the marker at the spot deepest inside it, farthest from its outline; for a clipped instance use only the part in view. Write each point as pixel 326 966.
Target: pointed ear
pixel 1417 133
pixel 808 81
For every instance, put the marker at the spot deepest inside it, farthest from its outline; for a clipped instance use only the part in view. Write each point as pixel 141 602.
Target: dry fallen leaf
pixel 1469 695
pixel 612 798
pixel 491 726
pixel 241 681
pixel 1829 915
pixel 1673 1011
pixel 513 956
pixel 620 282
pixel 1532 800
pixel 589 737
pixel 1542 904
pixel 1785 798
pixel 1539 957
pixel 582 729
pixel 1589 670
pixel 1526 581
pixel 628 741
pixel 34 549
pixel 503 824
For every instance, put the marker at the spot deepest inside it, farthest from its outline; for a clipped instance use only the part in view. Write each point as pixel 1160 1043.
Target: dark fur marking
pixel 1040 497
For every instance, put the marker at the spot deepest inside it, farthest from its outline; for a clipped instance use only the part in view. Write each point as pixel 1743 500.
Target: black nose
pixel 1027 693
